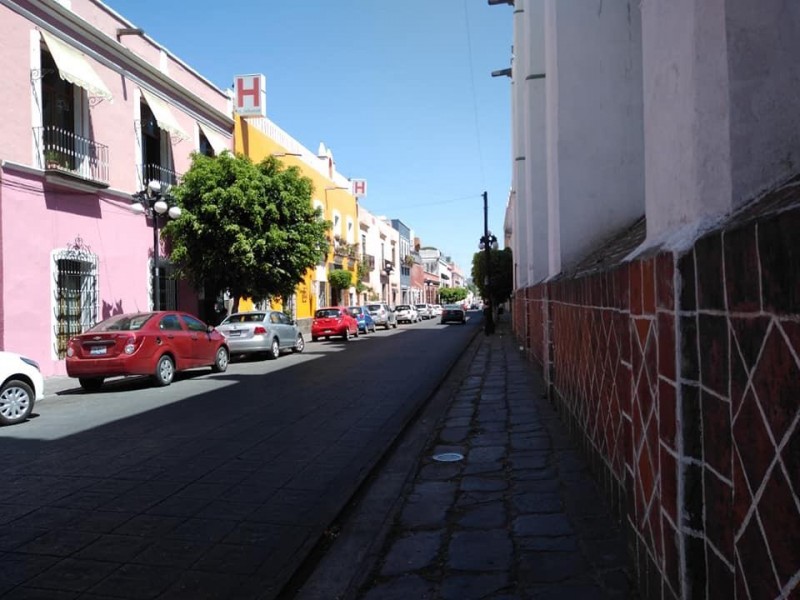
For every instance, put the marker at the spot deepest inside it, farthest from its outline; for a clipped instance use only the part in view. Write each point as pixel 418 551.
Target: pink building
pixel 93 110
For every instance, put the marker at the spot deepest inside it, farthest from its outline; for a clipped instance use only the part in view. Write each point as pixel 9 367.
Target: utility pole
pixel 487 241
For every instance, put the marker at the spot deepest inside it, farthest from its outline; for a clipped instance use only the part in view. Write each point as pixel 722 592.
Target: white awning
pixel 218 142
pixel 164 117
pixel 75 68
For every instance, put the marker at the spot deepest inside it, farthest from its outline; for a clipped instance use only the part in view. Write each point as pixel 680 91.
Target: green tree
pixel 452 295
pixel 247 228
pixel 339 279
pixel 501 275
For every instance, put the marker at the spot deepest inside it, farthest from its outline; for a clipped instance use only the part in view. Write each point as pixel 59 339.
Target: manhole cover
pixel 448 457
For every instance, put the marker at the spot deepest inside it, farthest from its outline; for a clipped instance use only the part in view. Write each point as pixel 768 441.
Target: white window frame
pixel 82 254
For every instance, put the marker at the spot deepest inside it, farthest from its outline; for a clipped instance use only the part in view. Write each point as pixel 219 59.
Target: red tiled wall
pixel 682 373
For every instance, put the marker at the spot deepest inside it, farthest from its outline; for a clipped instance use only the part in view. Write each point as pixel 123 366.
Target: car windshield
pixel 452 307
pixel 355 310
pixel 330 313
pixel 402 307
pixel 421 305
pixel 373 307
pixel 244 318
pixel 129 322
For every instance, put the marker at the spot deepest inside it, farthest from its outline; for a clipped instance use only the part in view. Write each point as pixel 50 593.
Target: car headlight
pixel 31 362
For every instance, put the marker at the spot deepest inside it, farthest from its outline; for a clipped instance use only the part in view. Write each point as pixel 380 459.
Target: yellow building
pixel 259 138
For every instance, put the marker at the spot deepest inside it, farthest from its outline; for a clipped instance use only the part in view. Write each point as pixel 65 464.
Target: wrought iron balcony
pixel 74 155
pixel 166 177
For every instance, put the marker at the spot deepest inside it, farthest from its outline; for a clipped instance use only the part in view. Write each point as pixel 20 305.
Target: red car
pixel 148 343
pixel 333 321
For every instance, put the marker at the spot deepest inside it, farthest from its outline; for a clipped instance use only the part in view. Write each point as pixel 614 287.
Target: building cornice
pixel 60 21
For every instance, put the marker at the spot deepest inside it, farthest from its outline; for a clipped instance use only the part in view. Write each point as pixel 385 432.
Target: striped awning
pixel 218 142
pixel 164 117
pixel 73 66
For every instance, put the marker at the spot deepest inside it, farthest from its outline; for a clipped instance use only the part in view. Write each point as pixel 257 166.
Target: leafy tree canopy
pixel 452 295
pixel 248 228
pixel 340 279
pixel 501 280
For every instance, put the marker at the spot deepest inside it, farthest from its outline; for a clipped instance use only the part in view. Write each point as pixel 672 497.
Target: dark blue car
pixel 365 321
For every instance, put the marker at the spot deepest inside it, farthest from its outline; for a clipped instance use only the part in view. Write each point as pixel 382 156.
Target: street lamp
pixel 155 201
pixel 488 243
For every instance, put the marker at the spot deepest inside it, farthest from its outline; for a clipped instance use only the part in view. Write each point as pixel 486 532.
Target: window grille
pixel 75 278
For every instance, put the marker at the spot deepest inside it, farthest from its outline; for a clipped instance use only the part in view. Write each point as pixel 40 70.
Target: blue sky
pixel 400 91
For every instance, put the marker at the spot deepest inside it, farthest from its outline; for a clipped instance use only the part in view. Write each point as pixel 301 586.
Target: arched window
pixel 74 293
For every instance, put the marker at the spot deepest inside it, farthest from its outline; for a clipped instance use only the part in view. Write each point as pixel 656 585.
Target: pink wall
pixel 112 122
pixel 55 218
pixel 38 217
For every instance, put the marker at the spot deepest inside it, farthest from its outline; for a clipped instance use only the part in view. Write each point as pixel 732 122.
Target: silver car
pixel 268 332
pixel 382 315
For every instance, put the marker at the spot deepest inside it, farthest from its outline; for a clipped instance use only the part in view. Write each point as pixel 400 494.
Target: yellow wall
pixel 253 143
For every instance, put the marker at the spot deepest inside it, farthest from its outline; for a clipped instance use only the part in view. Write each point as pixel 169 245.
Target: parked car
pixel 333 321
pixel 382 315
pixel 436 310
pixel 406 313
pixel 365 321
pixel 268 332
pixel 424 311
pixel 158 344
pixel 453 313
pixel 21 385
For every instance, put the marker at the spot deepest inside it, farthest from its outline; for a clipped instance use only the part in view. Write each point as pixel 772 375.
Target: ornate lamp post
pixel 155 202
pixel 488 243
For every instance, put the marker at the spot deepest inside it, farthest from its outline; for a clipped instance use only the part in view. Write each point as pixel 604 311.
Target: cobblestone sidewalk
pixel 519 517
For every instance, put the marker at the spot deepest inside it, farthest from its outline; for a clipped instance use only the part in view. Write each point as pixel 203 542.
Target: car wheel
pixel 374 329
pixel 387 325
pixel 91 384
pixel 165 371
pixel 394 325
pixel 16 402
pixel 274 349
pixel 299 344
pixel 346 336
pixel 221 360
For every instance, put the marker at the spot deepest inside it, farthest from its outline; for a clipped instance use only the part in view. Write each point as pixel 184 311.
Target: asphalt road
pixel 217 486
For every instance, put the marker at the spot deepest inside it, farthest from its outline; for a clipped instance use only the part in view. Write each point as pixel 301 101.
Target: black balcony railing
pixel 162 175
pixel 66 152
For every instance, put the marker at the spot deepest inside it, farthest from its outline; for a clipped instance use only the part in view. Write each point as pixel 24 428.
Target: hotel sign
pixel 358 188
pixel 250 95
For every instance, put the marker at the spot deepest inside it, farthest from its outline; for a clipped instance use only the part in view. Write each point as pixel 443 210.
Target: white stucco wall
pixel 687 154
pixel 535 141
pixel 521 242
pixel 595 140
pixel 764 70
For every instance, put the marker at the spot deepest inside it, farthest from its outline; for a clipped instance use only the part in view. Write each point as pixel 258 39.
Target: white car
pixel 424 311
pixel 22 386
pixel 437 310
pixel 406 313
